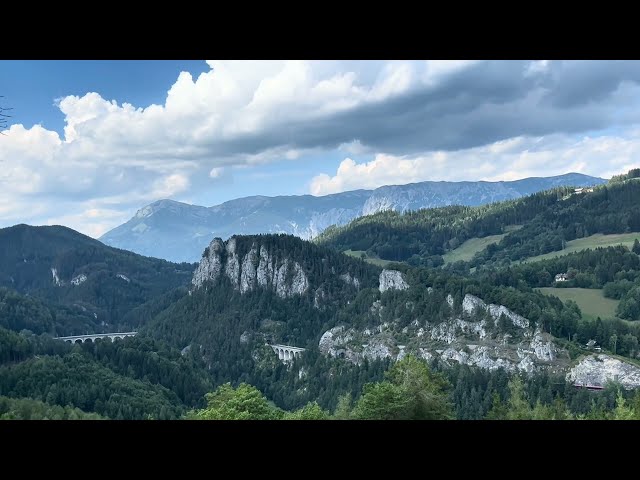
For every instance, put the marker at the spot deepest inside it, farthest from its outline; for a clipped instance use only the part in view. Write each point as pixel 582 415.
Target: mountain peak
pixel 158 205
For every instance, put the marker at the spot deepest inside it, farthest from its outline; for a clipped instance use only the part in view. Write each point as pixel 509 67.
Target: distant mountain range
pixel 179 232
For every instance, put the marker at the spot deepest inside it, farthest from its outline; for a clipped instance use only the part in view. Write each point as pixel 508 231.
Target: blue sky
pixel 91 142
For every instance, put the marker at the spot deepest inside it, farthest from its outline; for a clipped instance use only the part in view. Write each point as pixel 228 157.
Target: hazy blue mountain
pixel 179 232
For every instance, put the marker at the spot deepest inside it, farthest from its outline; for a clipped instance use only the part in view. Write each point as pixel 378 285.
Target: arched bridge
pixel 95 336
pixel 286 353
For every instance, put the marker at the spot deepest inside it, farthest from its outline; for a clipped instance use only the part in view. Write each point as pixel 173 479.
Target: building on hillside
pixel 562 277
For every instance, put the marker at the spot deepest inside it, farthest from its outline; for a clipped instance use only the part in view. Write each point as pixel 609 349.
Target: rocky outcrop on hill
pixel 285 276
pixel 597 370
pixel 473 338
pixel 392 280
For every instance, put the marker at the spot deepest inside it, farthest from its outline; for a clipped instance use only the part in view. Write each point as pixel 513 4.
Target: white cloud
pixel 114 157
pixel 511 159
pixel 91 221
pixel 216 172
pixel 537 66
pixel 438 70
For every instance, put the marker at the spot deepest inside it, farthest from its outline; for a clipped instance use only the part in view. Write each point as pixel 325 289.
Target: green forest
pixel 204 353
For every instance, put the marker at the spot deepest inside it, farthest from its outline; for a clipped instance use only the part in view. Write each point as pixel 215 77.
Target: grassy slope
pixel 374 261
pixel 590 300
pixel 593 241
pixel 468 249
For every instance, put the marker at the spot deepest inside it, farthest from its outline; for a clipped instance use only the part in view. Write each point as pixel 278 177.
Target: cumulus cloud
pixel 512 159
pixel 242 113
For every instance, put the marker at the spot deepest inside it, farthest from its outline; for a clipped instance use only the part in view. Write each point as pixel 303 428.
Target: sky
pixel 91 142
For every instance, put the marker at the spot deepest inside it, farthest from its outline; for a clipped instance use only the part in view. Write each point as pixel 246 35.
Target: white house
pixel 562 277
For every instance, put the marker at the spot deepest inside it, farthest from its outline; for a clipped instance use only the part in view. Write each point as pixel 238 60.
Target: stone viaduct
pixel 286 353
pixel 95 336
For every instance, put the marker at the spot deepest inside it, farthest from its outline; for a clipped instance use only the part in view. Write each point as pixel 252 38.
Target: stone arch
pixel 77 341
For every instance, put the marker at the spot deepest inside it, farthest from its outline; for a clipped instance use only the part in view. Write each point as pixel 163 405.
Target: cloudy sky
pixel 91 142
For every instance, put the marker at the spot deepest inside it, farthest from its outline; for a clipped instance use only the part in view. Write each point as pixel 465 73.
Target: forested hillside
pixel 485 341
pixel 229 326
pixel 549 219
pixel 75 284
pixel 133 378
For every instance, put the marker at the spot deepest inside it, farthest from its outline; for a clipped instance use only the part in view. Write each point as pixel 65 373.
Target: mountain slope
pixel 547 219
pixel 76 284
pixel 133 378
pixel 179 232
pixel 354 318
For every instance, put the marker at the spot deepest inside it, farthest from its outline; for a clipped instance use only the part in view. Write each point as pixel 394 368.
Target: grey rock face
pixel 330 338
pixel 79 279
pixel 392 280
pixel 470 339
pixel 496 310
pixel 56 279
pixel 211 264
pixel 264 273
pixel 378 347
pixel 479 357
pixel 249 270
pixel 286 279
pixel 472 303
pixel 543 350
pixel 232 268
pixel 597 370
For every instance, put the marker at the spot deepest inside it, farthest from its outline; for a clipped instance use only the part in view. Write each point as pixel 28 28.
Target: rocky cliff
pixel 473 337
pixel 597 370
pixel 392 280
pixel 256 268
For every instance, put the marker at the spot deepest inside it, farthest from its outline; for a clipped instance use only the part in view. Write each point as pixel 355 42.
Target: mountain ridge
pixel 178 231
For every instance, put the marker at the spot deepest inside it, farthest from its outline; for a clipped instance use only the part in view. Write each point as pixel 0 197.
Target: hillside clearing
pixel 373 260
pixel 591 301
pixel 593 241
pixel 468 249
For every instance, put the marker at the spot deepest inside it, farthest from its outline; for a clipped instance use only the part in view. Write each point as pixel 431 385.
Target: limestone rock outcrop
pixel 258 267
pixel 597 370
pixel 392 280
